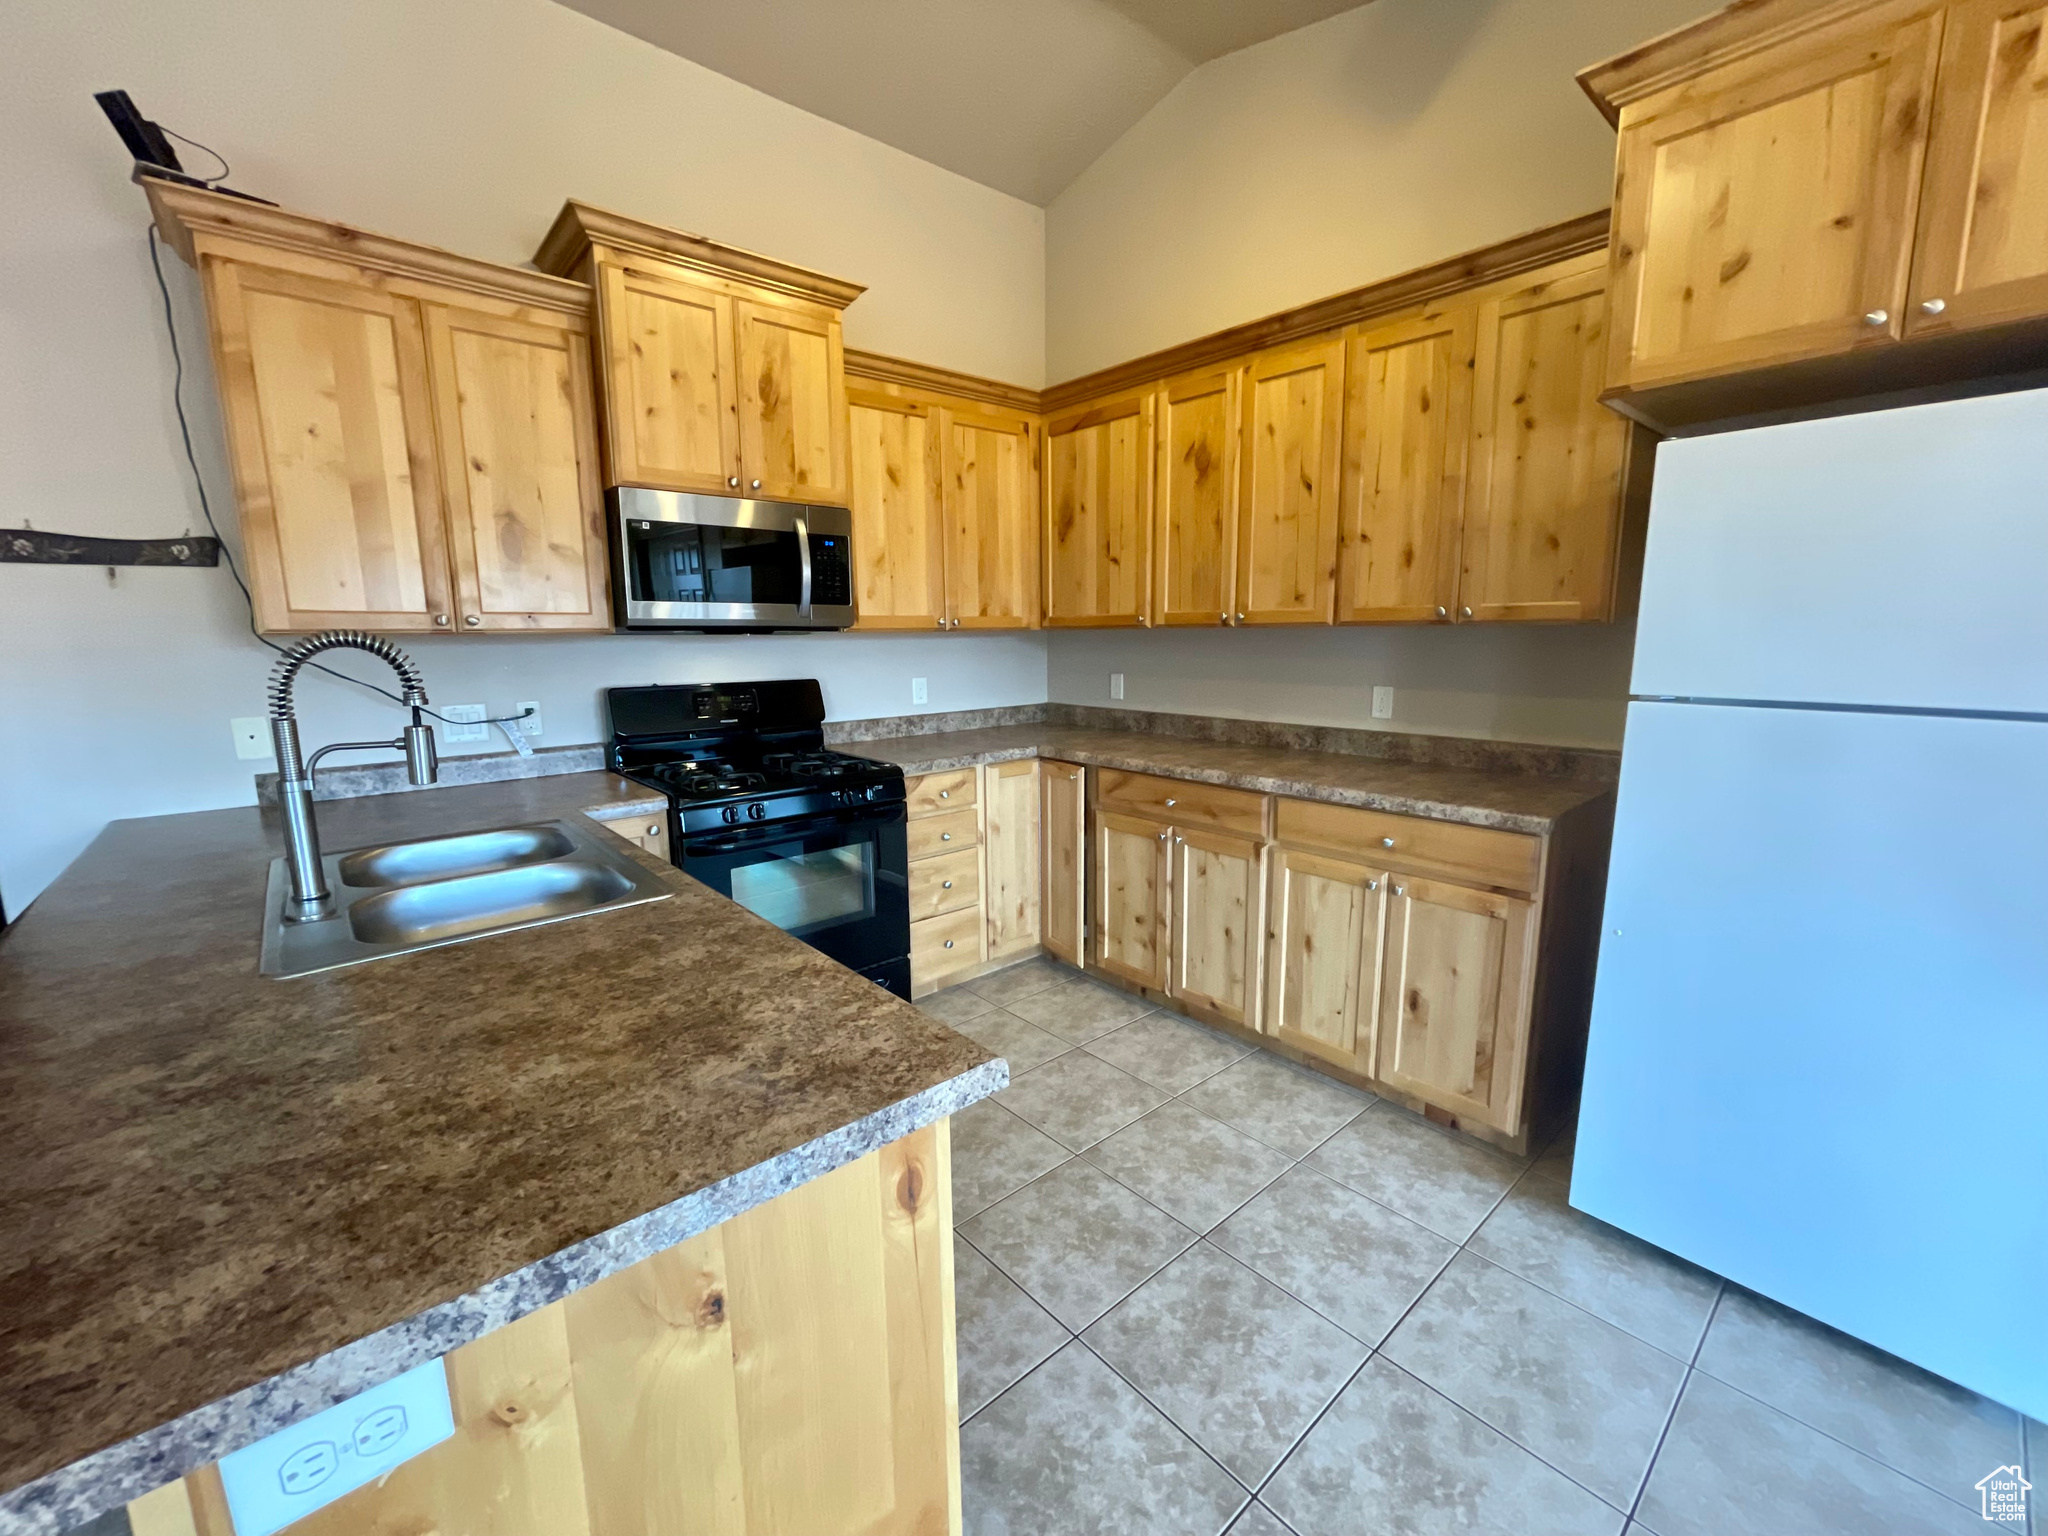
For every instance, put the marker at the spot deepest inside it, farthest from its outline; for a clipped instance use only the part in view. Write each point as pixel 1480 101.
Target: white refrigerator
pixel 1819 1052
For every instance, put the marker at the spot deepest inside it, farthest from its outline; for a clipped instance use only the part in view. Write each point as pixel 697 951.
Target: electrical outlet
pixel 252 736
pixel 1382 703
pixel 530 726
pixel 918 693
pixel 459 723
pixel 1116 685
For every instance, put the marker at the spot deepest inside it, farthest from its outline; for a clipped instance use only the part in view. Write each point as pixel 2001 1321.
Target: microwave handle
pixel 803 552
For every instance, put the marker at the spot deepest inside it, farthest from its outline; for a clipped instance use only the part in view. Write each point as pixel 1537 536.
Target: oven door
pixel 718 562
pixel 838 882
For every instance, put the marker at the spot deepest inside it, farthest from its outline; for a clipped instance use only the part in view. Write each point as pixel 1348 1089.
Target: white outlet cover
pixel 288 1475
pixel 1116 685
pixel 918 692
pixel 457 723
pixel 252 736
pixel 1382 703
pixel 531 725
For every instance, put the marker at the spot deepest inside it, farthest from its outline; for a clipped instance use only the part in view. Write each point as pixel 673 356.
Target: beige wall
pixel 1566 685
pixel 462 123
pixel 1382 139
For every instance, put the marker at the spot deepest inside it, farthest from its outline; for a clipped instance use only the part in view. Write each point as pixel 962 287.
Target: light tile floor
pixel 1201 1290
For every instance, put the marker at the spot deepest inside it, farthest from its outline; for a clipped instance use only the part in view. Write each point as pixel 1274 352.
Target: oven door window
pixel 697 563
pixel 805 891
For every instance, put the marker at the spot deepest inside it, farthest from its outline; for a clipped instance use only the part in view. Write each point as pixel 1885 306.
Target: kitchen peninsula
pixel 635 1175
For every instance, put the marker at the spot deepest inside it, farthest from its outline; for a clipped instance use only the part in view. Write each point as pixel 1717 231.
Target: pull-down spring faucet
pixel 310 899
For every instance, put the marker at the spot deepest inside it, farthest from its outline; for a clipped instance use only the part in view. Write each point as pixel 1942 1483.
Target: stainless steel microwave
pixel 681 561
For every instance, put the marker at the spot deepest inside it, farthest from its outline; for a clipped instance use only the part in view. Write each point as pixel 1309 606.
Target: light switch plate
pixel 288 1475
pixel 458 723
pixel 918 693
pixel 252 736
pixel 1116 685
pixel 531 725
pixel 1382 703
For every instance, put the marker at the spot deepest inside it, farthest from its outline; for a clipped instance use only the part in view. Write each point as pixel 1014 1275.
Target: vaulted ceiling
pixel 1020 95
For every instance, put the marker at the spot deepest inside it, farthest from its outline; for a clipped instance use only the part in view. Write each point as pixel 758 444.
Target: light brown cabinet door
pixel 1326 939
pixel 1765 210
pixel 899 545
pixel 1544 501
pixel 1217 882
pixel 1293 404
pixel 1194 517
pixel 991 526
pixel 1982 255
pixel 792 403
pixel 1407 422
pixel 673 401
pixel 1010 844
pixel 519 471
pixel 1131 898
pixel 330 428
pixel 1064 819
pixel 1453 998
pixel 1098 502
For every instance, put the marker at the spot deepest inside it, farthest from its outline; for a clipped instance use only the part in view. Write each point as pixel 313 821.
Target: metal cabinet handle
pixel 1386 842
pixel 945 885
pixel 655 830
pixel 945 794
pixel 1222 618
pixel 471 620
pixel 1173 802
pixel 1878 317
pixel 1240 618
pixel 949 943
pixel 1400 890
pixel 1442 612
pixel 1933 306
pixel 756 485
pixel 441 619
pixel 945 837
pixel 1372 885
pixel 942 623
pixel 956 623
pixel 1142 619
pixel 1464 613
pixel 733 481
pixel 1162 837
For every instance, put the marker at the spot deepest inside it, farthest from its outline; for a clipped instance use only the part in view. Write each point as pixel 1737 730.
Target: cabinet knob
pixel 733 481
pixel 956 623
pixel 945 794
pixel 1162 837
pixel 1240 618
pixel 654 830
pixel 1386 842
pixel 471 620
pixel 1464 613
pixel 1142 619
pixel 754 485
pixel 441 620
pixel 945 885
pixel 1222 618
pixel 1173 802
pixel 945 837
pixel 1442 612
pixel 1933 306
pixel 942 623
pixel 1400 890
pixel 949 943
pixel 1878 317
pixel 1372 885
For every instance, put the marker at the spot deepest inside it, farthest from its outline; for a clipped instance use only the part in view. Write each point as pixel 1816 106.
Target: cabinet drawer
pixel 931 836
pixel 941 945
pixel 1479 855
pixel 1181 802
pixel 933 794
pixel 945 884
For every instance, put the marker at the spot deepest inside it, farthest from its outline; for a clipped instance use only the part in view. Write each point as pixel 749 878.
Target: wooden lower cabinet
pixel 789 1371
pixel 1218 891
pixel 649 831
pixel 1129 897
pixel 1063 820
pixel 1326 935
pixel 976 870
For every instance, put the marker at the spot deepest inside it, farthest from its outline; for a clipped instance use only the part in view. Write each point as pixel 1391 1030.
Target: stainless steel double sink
pixel 401 897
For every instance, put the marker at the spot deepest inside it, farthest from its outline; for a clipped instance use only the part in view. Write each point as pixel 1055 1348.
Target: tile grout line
pixel 1070 1334
pixel 1178 1428
pixel 1670 1418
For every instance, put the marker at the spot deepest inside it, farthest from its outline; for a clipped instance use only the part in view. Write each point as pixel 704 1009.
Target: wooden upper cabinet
pixel 1293 412
pixel 1454 1004
pixel 792 402
pixel 990 491
pixel 518 432
pixel 1764 209
pixel 722 371
pixel 1982 253
pixel 1408 415
pixel 1548 473
pixel 1195 489
pixel 898 526
pixel 1098 504
pixel 671 398
pixel 412 432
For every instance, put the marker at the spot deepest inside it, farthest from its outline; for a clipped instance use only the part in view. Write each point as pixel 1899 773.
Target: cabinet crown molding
pixel 579 227
pixel 1733 33
pixel 192 220
pixel 875 368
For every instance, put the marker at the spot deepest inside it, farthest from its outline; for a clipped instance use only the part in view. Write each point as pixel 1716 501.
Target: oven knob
pixel 730 814
pixel 757 811
pixel 874 791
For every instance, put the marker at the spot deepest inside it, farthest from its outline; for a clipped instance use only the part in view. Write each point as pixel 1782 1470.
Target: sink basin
pixel 467 853
pixel 439 910
pixel 398 898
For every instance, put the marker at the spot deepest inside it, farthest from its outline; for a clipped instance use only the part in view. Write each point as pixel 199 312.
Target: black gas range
pixel 762 811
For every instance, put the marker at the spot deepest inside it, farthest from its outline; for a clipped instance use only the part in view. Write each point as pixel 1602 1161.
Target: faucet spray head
pixel 422 765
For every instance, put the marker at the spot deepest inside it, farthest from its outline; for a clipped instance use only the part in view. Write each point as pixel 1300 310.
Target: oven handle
pixel 738 838
pixel 803 552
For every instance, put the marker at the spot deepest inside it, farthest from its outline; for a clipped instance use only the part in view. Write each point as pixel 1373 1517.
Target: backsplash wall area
pixel 1565 686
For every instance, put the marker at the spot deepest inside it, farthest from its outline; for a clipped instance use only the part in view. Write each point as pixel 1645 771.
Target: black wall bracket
pixel 32 546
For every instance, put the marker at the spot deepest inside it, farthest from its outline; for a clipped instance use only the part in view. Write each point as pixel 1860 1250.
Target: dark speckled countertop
pixel 1481 797
pixel 230 1201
